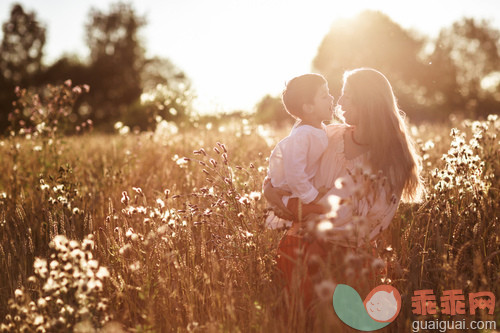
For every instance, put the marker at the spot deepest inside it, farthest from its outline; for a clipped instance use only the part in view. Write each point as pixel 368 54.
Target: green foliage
pixel 22 46
pixel 21 54
pixel 118 71
pixel 117 59
pixel 270 110
pixel 464 55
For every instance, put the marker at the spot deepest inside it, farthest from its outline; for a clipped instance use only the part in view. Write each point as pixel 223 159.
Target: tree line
pixel 457 72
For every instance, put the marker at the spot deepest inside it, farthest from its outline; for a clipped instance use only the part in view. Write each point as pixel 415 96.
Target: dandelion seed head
pixel 378 263
pixel 160 203
pixel 135 266
pixel 18 293
pixel 244 200
pixel 325 289
pixel 73 244
pixel 138 190
pixel 102 273
pixel 255 196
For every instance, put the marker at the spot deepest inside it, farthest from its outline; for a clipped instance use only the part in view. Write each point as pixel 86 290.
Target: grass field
pixel 163 231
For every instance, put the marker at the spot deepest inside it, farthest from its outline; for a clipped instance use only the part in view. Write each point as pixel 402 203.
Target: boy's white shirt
pixel 295 160
pixel 293 163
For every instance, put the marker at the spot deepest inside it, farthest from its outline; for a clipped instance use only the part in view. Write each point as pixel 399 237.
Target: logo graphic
pixel 379 309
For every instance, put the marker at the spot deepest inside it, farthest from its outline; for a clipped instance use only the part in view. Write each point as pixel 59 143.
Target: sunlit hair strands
pixel 381 125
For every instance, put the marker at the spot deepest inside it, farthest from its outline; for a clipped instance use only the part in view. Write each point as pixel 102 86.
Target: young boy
pixel 295 159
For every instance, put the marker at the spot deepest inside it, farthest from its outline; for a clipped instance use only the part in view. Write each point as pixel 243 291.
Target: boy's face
pixel 322 106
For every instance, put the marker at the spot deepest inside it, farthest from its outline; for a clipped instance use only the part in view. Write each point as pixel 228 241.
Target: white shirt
pixel 295 160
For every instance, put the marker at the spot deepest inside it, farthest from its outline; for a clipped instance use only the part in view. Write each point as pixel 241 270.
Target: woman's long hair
pixel 382 125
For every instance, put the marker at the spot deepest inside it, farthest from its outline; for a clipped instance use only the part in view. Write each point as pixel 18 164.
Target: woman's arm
pixel 274 196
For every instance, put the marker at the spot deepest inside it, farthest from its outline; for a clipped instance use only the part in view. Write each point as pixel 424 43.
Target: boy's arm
pixel 321 193
pixel 274 196
pixel 295 161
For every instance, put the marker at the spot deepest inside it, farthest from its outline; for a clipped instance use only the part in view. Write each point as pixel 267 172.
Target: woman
pixel 372 140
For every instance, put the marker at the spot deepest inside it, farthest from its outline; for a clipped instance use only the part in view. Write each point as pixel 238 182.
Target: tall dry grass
pixel 177 238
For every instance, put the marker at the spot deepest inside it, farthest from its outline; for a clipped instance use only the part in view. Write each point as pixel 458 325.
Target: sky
pixel 237 51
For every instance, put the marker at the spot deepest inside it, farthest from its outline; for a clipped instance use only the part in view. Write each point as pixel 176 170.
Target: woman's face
pixel 347 105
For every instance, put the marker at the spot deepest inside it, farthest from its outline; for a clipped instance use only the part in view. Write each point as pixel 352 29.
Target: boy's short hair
pixel 299 91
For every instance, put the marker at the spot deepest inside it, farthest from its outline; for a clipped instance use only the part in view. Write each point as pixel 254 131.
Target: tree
pixel 270 110
pixel 21 54
pixel 117 59
pixel 166 93
pixel 464 55
pixel 372 39
pixel 22 46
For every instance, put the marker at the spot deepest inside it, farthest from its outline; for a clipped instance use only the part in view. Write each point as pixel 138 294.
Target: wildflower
pixel 124 130
pixel 54 264
pixel 246 234
pixel 88 244
pixel 492 118
pixel 18 293
pixel 160 203
pixel 141 210
pixel 138 190
pixel 125 198
pixel 222 146
pixel 244 200
pixel 378 263
pixel 324 226
pixel 41 303
pixel 325 289
pixel 59 243
pixel 126 249
pixel 93 264
pixel 255 196
pixel 135 266
pixel 101 306
pixel 50 285
pixel 334 202
pixel 38 320
pixel 62 199
pixel 58 188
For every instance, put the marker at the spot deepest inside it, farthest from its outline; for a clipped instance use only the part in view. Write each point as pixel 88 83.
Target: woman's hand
pixel 274 196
